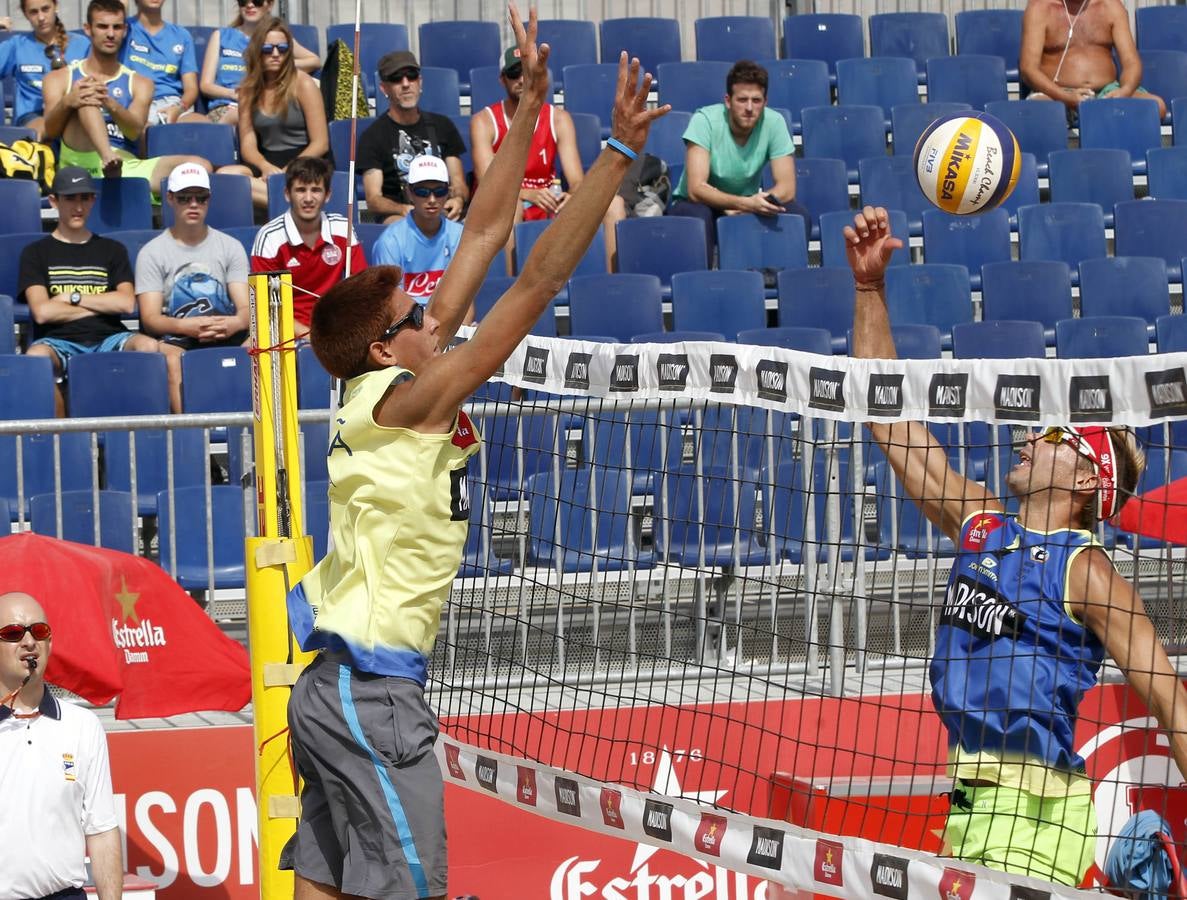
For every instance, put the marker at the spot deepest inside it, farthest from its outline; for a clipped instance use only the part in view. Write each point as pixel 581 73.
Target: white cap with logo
pixel 428 168
pixel 188 175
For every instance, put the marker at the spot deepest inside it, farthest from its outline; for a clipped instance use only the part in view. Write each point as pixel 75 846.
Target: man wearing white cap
pixel 423 242
pixel 191 280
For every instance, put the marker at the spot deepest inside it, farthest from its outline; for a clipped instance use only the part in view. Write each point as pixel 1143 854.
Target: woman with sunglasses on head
pixel 225 62
pixel 28 56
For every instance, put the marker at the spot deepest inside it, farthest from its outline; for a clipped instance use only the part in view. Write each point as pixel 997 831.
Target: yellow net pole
pixel 276 561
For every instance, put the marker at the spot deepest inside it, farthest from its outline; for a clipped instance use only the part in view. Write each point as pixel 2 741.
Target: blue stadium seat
pixel 848 133
pixel 825 36
pixel 496 285
pixel 216 379
pixel 245 235
pixel 967 78
pixel 462 124
pixel 1171 331
pixel 1153 228
pixel 12 133
pixel 929 294
pixel 7 326
pixel 1124 286
pixel 317 515
pixel 1164 74
pixel 117 384
pixel 315 441
pixel 191 524
pixel 368 233
pixel 661 246
pixel 117 522
pixel 620 306
pixel 308 36
pixel 216 143
pixel 1179 118
pixel 1126 123
pixel 486 89
pixel 690 85
pixel 230 203
pixel 516 448
pixel 724 301
pixel 749 241
pixel 1101 176
pixel 191 465
pixel 883 81
pixel 999 339
pixel 201 35
pixel 832 238
pixel 1039 127
pixel 442 91
pixel 1026 191
pixel 969 241
pixel 340 140
pixel 918 35
pixel 527 233
pixel 913 341
pixel 1166 173
pixel 731 38
pixel 677 337
pixel 908 121
pixel 1070 232
pixel 122 204
pixel 313 382
pixel 41 464
pixel 1037 290
pixel 1161 27
pixel 589 131
pixel 796 83
pixel 478 557
pixel 133 242
pixel 458 45
pixel 572 42
pixel 376 39
pixel 591 89
pixel 790 337
pixel 26 387
pixel 821 185
pixel 707 525
pixel 665 139
pixel 819 297
pixel 653 40
pixel 890 181
pixel 10 264
pixel 1101 337
pixel 335 203
pixel 994 32
pixel 22 199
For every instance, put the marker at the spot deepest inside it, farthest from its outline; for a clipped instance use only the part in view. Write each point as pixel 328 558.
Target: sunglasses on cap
pixel 415 318
pixel 439 192
pixel 269 49
pixel 14 634
pixel 399 75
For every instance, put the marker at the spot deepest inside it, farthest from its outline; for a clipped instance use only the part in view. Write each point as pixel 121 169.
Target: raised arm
pixel 918 459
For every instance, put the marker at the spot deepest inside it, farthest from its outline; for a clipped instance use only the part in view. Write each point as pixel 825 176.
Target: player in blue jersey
pixel 164 53
pixel 1033 604
pixel 27 57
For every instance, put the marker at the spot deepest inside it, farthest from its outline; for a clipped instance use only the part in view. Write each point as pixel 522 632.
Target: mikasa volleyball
pixel 967 162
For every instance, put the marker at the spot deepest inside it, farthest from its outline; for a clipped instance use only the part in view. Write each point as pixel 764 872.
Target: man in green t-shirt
pixel 726 146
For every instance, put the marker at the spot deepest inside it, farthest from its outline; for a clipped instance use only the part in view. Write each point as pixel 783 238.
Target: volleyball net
pixel 696 609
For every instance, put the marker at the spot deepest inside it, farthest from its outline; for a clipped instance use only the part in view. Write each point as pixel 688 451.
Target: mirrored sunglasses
pixel 14 634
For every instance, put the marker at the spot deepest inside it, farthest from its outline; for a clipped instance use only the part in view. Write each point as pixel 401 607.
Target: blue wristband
pixel 616 144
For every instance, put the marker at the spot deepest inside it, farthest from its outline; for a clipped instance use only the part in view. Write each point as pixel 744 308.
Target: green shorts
pixel 134 166
pixel 1113 85
pixel 1053 838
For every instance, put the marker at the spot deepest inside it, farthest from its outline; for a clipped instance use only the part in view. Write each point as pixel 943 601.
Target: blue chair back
pixel 790 337
pixel 313 382
pixel 230 203
pixel 134 242
pixel 882 81
pixel 340 140
pixel 731 38
pixel 918 35
pixel 750 241
pixel 221 523
pixel 821 185
pixel 661 246
pixel 1039 127
pixel 690 85
pixel 442 91
pixel 527 233
pixel 516 448
pixel 929 294
pixel 909 120
pixel 848 133
pixel 26 385
pixel 7 329
pixel 1101 337
pixel 1124 286
pixel 122 204
pixel 214 142
pixel 832 238
pixel 376 39
pixel 665 139
pixel 191 465
pixel 797 83
pixel 721 300
pixel 22 199
pixel 1164 74
pixel 217 379
pixel 572 42
pixel 1152 228
pixel 969 241
pixel 117 384
pixel 1171 331
pixel 317 516
pixel 1030 290
pixel 458 45
pixel 998 339
pixel 308 36
pixel 967 78
pixel 1125 123
pixel 653 40
pixel 589 132
pixel 620 306
pixel 828 37
pixel 40 459
pixel 993 32
pixel 1070 232
pixel 890 181
pixel 819 297
pixel 677 337
pixel 590 88
pixel 710 520
pixel 1026 190
pixel 1161 27
pixel 1101 176
pixel 1166 173
pixel 117 521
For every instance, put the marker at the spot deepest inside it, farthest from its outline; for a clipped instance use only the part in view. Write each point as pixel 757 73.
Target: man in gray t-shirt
pixel 191 280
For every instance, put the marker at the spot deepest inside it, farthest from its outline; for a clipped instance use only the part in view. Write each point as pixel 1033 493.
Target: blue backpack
pixel 1142 861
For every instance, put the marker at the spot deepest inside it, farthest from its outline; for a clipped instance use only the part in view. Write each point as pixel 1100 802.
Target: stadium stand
pixel 7 326
pixel 1164 74
pixel 216 143
pixel 653 40
pixel 572 42
pixel 590 90
pixel 822 185
pixel 847 133
pixel 75 512
pixel 1124 285
pixel 1101 176
pixel 1126 123
pixel 929 294
pixel 1153 228
pixel 661 246
pixel 797 83
pixel 22 199
pixel 619 306
pixel 912 341
pixel 1101 337
pixel 820 297
pixel 724 301
pixel 688 86
pixel 121 204
pixel 1040 128
pixel 748 241
pixel 1037 290
pixel 918 35
pixel 1160 27
pixel 217 379
pixel 883 81
pixel 828 37
pixel 187 523
pixel 458 45
pixel 665 140
pixel 1166 173
pixel 992 32
pixel 999 339
pixel 967 78
pixel 1069 232
pixel 969 241
pixel 731 38
pixel 140 462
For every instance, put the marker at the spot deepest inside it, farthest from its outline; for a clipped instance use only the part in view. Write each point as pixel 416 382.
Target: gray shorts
pixel 373 805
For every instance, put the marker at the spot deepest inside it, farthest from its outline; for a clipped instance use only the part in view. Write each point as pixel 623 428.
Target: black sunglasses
pixel 415 317
pixel 399 75
pixel 269 49
pixel 438 192
pixel 14 634
pixel 259 4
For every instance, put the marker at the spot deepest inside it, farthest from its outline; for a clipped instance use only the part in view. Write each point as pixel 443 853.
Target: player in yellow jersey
pixel 372 817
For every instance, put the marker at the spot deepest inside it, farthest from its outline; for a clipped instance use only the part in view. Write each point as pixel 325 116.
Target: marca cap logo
pixel 980 528
pixel 1168 392
pixel 525 785
pixel 486 770
pixel 568 799
pixel 625 375
pixel 709 834
pixel 577 370
pixel 1017 397
pixel 828 862
pixel 1018 892
pixel 723 373
pixel 612 808
pixel 657 820
pixel 947 394
pixel 535 365
pixel 672 371
pixel 956 884
pixel 453 763
pixel 766 848
pixel 885 397
pixel 1090 399
pixel 888 874
pixel 771 376
pixel 826 389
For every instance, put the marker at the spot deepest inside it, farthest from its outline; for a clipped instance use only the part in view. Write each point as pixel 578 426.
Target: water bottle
pixel 555 188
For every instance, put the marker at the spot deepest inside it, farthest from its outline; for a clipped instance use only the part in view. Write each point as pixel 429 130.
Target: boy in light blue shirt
pixel 163 52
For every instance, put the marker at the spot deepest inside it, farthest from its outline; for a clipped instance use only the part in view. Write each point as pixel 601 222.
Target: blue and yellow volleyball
pixel 967 162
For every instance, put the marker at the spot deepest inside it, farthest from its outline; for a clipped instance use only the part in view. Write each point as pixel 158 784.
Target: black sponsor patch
pixel 657 820
pixel 568 797
pixel 971 606
pixel 1018 892
pixel 1017 397
pixel 723 373
pixel 577 370
pixel 459 495
pixel 625 374
pixel 766 848
pixel 1168 392
pixel 947 395
pixel 888 875
pixel 535 365
pixel 486 771
pixel 885 396
pixel 1090 398
pixel 672 371
pixel 771 378
pixel 826 389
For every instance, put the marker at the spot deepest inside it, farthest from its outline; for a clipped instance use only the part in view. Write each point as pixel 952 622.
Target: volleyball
pixel 967 162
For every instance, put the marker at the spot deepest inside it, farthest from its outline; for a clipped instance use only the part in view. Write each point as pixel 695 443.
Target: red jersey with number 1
pixel 541 167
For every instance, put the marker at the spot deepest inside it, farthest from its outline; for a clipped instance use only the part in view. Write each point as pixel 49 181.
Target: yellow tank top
pixel 399 514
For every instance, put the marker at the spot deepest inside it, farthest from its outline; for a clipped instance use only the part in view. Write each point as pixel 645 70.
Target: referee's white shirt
pixel 55 787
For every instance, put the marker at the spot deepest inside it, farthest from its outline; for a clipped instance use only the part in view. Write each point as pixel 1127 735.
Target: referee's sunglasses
pixel 14 634
pixel 415 318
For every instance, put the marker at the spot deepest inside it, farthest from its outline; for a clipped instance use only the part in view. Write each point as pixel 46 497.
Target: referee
pixel 54 774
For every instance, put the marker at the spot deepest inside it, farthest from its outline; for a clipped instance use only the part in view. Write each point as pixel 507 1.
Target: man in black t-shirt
pixel 405 132
pixel 77 284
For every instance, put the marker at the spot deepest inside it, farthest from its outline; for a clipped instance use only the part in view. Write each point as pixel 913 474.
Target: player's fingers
pixel 622 69
pixel 533 25
pixel 850 235
pixel 861 225
pixel 516 23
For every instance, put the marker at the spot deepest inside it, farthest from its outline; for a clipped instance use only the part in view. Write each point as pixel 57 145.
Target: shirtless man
pixel 1067 52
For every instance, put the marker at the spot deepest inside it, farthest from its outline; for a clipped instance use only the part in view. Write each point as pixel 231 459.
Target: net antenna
pixel 354 124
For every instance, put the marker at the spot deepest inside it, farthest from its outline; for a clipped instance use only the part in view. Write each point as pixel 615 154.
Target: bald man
pixel 54 774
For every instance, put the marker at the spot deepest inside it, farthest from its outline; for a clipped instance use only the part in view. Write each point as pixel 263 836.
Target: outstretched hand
pixel 631 119
pixel 869 244
pixel 533 58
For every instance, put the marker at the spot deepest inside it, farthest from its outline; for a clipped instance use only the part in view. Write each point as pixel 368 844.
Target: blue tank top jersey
pixel 1011 665
pixel 164 57
pixel 232 47
pixel 119 89
pixel 23 57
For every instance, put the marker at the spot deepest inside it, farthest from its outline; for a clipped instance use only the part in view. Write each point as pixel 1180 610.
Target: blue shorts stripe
pixel 389 790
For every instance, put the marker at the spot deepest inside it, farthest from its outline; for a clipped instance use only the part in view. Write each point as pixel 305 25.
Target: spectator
pixel 71 815
pixel 1055 68
pixel 388 147
pixel 164 53
pixel 726 147
pixel 423 242
pixel 306 241
pixel 282 115
pixel 191 280
pixel 224 65
pixel 99 107
pixel 27 57
pixel 77 284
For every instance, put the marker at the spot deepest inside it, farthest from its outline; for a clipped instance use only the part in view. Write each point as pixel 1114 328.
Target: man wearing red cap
pixel 1033 604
